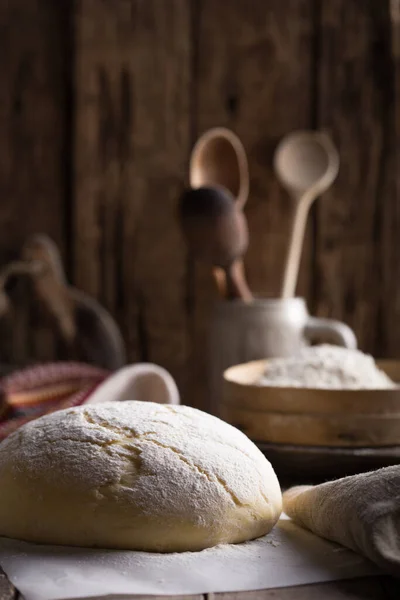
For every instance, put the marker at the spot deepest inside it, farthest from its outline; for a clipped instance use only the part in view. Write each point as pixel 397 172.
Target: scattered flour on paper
pixel 287 556
pixel 326 367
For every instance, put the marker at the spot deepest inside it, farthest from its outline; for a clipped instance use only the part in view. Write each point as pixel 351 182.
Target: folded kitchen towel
pixel 361 512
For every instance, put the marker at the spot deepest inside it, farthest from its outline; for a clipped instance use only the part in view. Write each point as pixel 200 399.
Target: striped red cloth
pixel 34 391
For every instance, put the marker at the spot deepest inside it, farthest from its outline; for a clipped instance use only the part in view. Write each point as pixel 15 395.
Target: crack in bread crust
pixel 143 438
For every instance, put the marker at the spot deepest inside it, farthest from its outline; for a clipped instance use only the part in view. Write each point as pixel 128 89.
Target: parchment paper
pixel 287 556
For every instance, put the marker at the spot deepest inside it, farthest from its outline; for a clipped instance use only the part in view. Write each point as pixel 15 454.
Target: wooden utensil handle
pixel 237 287
pixel 295 247
pixel 219 277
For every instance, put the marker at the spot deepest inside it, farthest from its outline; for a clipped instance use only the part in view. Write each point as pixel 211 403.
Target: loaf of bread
pixel 135 475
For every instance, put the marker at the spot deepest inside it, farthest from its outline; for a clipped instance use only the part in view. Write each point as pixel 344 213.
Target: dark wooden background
pixel 100 104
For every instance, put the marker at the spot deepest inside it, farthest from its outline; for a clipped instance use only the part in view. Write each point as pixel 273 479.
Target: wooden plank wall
pixel 100 104
pixel 34 145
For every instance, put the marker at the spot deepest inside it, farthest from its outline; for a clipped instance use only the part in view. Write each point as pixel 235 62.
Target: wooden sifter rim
pixel 241 390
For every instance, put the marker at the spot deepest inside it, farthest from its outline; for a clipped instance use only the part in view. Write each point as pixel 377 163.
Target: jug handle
pixel 329 331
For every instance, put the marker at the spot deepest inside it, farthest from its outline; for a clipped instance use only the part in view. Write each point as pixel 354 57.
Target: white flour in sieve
pixel 326 367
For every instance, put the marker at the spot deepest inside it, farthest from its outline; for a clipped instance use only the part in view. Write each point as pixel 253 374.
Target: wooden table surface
pixel 368 588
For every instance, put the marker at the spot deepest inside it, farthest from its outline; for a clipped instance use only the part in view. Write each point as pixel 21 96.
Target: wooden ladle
pixel 306 163
pixel 216 231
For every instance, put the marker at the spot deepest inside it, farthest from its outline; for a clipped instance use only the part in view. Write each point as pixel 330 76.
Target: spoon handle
pixel 295 247
pixel 219 277
pixel 236 283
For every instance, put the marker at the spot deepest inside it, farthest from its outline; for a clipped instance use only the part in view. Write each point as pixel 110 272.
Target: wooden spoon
pixel 219 159
pixel 306 163
pixel 216 231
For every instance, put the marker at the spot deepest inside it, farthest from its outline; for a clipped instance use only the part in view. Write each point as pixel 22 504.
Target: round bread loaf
pixel 135 475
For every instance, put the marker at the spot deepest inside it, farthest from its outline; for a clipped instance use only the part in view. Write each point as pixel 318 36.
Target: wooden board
pixel 358 221
pixel 131 146
pixel 34 38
